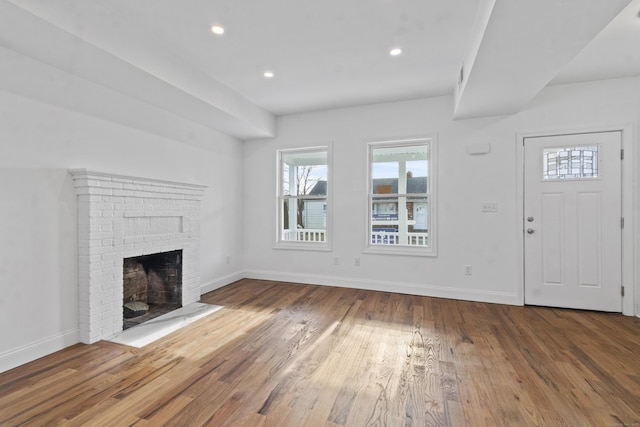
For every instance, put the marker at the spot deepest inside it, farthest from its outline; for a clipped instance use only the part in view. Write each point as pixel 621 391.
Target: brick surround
pixel 121 217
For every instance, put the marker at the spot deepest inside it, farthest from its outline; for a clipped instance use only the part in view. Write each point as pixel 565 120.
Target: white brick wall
pixel 121 217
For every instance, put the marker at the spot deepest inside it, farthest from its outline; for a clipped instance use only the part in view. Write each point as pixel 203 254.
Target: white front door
pixel 572 221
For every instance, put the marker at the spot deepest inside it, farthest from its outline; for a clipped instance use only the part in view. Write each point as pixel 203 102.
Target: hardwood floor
pixel 282 354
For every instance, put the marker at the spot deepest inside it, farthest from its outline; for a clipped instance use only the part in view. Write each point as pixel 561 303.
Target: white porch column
pixel 293 204
pixel 402 203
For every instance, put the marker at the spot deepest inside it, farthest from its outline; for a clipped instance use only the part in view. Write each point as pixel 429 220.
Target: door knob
pixel 530 230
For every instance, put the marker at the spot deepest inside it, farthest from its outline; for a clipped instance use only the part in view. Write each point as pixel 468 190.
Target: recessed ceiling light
pixel 395 51
pixel 217 30
pixel 268 74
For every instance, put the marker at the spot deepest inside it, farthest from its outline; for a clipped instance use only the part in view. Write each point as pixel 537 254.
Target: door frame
pixel 630 306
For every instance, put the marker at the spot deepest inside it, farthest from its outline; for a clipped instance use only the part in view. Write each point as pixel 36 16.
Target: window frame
pixel 280 198
pixel 406 250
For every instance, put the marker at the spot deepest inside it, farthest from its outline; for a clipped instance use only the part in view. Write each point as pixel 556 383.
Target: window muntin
pixel 400 195
pixel 570 163
pixel 303 197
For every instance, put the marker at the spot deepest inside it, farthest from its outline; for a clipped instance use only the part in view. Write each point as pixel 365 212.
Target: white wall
pixel 487 241
pixel 39 142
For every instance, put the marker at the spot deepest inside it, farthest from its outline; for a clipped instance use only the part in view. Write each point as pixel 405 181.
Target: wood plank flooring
pixel 283 354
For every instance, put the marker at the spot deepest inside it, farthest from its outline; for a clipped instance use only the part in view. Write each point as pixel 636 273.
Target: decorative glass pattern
pixel 570 163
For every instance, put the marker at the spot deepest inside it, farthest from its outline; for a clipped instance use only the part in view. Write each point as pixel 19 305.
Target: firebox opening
pixel 152 286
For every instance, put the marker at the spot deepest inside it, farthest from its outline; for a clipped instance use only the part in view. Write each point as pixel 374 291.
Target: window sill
pixel 401 250
pixel 299 246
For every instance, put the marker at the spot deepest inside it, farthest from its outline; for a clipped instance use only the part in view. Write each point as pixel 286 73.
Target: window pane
pixel 304 173
pixel 400 221
pixel 570 163
pixel 304 220
pixel 399 170
pixel 388 229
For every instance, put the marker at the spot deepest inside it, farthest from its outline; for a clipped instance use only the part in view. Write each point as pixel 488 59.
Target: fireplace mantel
pixel 123 216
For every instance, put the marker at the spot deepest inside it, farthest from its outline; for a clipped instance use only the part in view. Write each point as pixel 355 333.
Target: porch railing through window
pixel 304 235
pixel 394 238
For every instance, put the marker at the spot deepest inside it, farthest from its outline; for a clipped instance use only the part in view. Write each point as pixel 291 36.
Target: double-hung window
pixel 303 198
pixel 402 197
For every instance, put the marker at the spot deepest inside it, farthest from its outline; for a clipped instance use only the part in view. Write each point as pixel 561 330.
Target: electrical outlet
pixel 336 261
pixel 228 260
pixel 357 262
pixel 467 270
pixel 488 207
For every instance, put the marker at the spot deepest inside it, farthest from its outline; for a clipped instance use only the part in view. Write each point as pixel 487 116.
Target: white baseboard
pixel 21 355
pixel 220 282
pixel 385 286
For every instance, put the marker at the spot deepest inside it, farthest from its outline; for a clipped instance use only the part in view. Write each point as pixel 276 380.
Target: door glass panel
pixel 570 163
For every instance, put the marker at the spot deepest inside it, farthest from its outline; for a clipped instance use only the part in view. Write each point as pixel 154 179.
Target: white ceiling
pixel 324 54
pixel 614 53
pixel 331 53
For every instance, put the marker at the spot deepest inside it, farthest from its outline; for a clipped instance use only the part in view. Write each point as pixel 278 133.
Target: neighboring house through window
pixel 402 197
pixel 302 198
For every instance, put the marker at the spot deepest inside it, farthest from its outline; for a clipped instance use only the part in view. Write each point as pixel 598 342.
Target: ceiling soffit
pixel 145 73
pixel 523 46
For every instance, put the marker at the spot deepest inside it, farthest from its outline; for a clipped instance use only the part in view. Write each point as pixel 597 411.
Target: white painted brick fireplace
pixel 121 217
